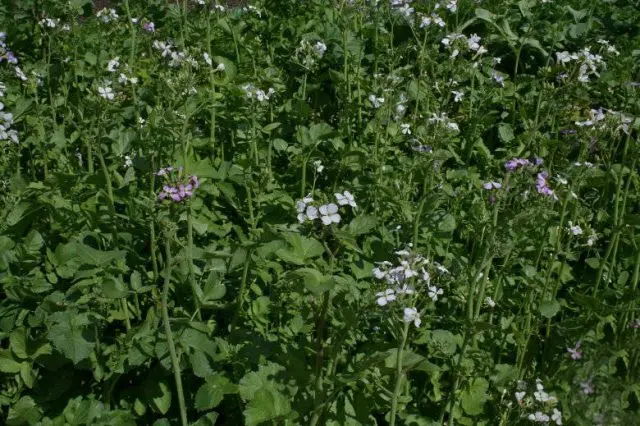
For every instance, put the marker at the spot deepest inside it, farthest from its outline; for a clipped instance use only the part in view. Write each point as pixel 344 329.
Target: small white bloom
pixel 575 229
pixel 221 67
pixel 329 214
pixel 312 213
pixel 490 302
pixel 106 92
pixel 318 166
pixel 538 417
pixel 375 101
pixel 557 416
pixel 20 74
pixel 405 129
pixel 385 297
pixel 434 292
pixel 457 95
pixel 520 396
pixel 406 289
pixel 207 59
pixel 127 161
pixel 378 273
pixel 320 48
pixel 346 198
pixel 412 315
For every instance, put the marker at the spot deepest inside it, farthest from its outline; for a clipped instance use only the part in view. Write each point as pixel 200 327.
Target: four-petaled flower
pixel 329 214
pixel 412 315
pixel 346 198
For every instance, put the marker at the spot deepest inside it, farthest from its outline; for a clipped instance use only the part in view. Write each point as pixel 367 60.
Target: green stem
pixel 399 375
pixel 192 277
pixel 319 379
pixel 167 329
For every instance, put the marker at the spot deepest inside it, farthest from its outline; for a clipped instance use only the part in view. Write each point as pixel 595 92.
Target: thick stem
pixel 167 329
pixel 319 379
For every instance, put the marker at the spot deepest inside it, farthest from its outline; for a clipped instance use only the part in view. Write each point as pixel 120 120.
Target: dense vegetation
pixel 320 212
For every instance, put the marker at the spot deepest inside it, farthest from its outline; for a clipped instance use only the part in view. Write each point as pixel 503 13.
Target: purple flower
pixel 195 181
pixel 149 26
pixel 575 352
pixel 491 185
pixel 515 163
pixel 11 58
pixel 539 161
pixel 542 185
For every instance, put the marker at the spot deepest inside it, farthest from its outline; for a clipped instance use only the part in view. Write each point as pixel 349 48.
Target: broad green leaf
pixel 161 397
pixel 67 333
pixel 7 363
pixel 267 404
pixel 362 224
pixel 211 393
pixel 474 397
pixel 447 224
pixel 549 308
pixel 314 280
pixel 24 412
pixel 506 132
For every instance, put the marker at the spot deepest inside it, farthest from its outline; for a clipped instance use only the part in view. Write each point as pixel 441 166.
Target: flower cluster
pixel 259 95
pixel 595 116
pixel 6 54
pixel 179 187
pixel 107 15
pixel 542 186
pixel 309 53
pixel 376 102
pixel 516 163
pixel 176 58
pixel 455 42
pixel 402 6
pixel 587 61
pixel 445 121
pixel 49 22
pixel 543 402
pixel 327 213
pixel 6 120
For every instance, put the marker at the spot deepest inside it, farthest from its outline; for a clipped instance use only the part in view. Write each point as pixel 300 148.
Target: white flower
pixel 312 213
pixel 575 229
pixel 20 74
pixel 412 315
pixel 207 59
pixel 592 239
pixel 563 57
pixel 457 95
pixel 375 101
pixel 378 273
pixel 441 268
pixel 319 48
pixel 452 5
pixel 539 417
pixel 425 276
pixel 405 129
pixel 106 92
pixel 318 166
pixel 107 15
pixel 453 126
pixel 127 161
pixel 557 416
pixel 473 42
pixel 520 396
pixel 346 198
pixel 385 297
pixel 329 214
pixel 221 67
pixel 406 289
pixel 490 302
pixel 434 292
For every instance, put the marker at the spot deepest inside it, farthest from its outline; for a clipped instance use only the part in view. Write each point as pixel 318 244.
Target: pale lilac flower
pixel 149 26
pixel 412 315
pixel 520 396
pixel 329 214
pixel 575 352
pixel 542 185
pixel 346 198
pixel 515 163
pixel 492 185
pixel 320 48
pixel 490 302
pixel 575 229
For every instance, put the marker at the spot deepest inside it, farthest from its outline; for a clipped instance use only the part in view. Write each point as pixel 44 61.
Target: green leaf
pixel 362 224
pixel 211 393
pixel 91 58
pixel 267 404
pixel 114 288
pixel 229 73
pixel 505 131
pixel 314 280
pixel 67 333
pixel 301 248
pixel 447 224
pixel 484 14
pixel 549 308
pixel 24 412
pixel 474 397
pixel 162 399
pixel 7 363
pixel 214 288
